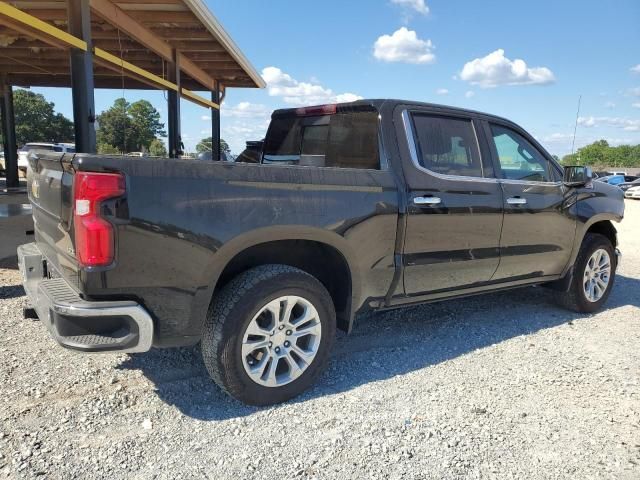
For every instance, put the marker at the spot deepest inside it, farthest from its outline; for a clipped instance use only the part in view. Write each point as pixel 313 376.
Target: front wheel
pixel 593 275
pixel 268 334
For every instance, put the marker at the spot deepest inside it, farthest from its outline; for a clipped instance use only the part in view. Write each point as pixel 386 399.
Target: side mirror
pixel 577 176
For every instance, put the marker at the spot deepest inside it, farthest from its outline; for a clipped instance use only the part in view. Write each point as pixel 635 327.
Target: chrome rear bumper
pixel 78 324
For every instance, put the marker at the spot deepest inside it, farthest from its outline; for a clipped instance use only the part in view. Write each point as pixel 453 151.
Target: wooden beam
pixel 199 100
pixel 118 17
pixel 191 34
pixel 49 14
pixel 109 59
pixel 44 31
pixel 148 16
pixel 186 46
pixel 134 29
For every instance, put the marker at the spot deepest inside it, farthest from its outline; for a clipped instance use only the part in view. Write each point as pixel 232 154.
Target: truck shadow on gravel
pixel 381 346
pixel 11 291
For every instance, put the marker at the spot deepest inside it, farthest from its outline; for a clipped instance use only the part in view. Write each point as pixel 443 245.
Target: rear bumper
pixel 104 326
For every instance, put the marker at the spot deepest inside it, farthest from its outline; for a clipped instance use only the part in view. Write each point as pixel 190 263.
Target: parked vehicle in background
pixel 623 173
pixel 2 164
pixel 627 184
pixel 137 154
pixel 633 192
pixel 611 179
pixel 23 153
pixel 373 204
pixel 208 156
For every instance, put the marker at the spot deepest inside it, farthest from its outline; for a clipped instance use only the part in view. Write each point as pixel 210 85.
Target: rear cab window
pixel 347 138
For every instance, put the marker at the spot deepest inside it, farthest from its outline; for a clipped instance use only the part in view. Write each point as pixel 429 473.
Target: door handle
pixel 516 201
pixel 427 200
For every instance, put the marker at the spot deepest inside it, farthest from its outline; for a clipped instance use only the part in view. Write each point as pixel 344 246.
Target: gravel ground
pixel 501 386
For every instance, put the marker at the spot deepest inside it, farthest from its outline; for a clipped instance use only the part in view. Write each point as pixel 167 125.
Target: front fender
pixel 600 202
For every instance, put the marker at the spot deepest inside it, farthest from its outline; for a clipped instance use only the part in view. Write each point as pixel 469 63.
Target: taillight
pixel 94 237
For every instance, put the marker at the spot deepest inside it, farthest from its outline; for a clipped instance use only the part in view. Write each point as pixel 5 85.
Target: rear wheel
pixel 268 334
pixel 593 275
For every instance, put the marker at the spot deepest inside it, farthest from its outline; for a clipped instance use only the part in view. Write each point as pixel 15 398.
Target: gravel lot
pixel 500 386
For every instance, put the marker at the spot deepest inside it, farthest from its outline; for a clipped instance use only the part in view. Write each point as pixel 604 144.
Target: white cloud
pixel 416 5
pixel 636 105
pixel 495 69
pixel 609 105
pixel 238 131
pixel 635 69
pixel 404 46
pixel 469 94
pixel 634 92
pixel 244 110
pixel 557 138
pixel 442 91
pixel 281 84
pixel 205 118
pixel 629 125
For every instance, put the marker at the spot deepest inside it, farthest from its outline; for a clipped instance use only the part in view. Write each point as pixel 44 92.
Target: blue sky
pixel 528 61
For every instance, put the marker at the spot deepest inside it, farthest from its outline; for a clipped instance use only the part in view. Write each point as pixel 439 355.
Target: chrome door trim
pixel 413 151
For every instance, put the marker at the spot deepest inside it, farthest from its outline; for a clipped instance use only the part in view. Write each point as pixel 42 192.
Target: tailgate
pixel 49 185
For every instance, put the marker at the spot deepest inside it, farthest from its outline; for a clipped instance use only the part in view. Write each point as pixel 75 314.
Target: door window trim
pixel 496 160
pixel 413 150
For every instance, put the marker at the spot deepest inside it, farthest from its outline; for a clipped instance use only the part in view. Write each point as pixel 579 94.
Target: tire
pixel 241 303
pixel 575 298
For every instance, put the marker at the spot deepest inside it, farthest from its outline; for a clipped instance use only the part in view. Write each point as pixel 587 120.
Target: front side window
pixel 447 145
pixel 519 160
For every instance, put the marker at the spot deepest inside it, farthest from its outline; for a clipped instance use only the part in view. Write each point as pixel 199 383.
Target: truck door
pixel 538 231
pixel 455 204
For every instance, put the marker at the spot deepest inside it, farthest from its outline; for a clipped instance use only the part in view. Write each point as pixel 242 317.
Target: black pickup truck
pixel 374 204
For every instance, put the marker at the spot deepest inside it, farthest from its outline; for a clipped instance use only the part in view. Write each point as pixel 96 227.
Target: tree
pixel 107 149
pixel 145 123
pixel 129 126
pixel 204 145
pixel 113 126
pixel 601 155
pixel 157 148
pixel 36 120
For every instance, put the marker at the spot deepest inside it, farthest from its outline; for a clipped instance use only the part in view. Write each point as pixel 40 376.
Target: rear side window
pixel 343 140
pixel 447 146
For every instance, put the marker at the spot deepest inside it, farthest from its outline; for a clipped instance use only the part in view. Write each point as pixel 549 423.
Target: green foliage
pixel 128 126
pixel 157 148
pixel 599 154
pixel 36 120
pixel 105 148
pixel 204 145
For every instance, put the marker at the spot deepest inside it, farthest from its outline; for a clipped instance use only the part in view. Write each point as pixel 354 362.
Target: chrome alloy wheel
pixel 281 341
pixel 597 274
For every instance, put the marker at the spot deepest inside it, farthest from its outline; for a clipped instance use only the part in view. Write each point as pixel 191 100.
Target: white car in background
pixel 23 153
pixel 633 192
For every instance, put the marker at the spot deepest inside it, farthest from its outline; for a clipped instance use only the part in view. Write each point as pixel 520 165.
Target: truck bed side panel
pixel 188 218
